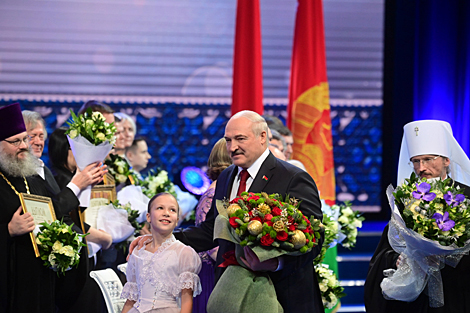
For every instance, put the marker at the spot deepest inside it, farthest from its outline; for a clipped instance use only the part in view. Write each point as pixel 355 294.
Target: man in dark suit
pixel 293 277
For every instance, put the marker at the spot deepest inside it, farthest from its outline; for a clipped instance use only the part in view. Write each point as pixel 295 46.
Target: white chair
pixel 122 268
pixel 111 288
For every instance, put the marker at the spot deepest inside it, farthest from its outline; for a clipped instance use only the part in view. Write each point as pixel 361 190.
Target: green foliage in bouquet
pixel 59 246
pixel 330 288
pixel 119 168
pixel 330 235
pixel 92 126
pixel 350 221
pixel 157 182
pixel 266 220
pixel 434 209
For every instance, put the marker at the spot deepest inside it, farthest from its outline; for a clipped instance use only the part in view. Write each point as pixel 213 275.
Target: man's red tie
pixel 243 178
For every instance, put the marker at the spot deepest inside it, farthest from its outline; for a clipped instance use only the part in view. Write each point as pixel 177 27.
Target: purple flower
pixel 453 201
pixel 443 222
pixel 423 192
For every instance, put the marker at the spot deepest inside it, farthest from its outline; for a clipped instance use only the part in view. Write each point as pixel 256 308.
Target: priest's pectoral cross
pixel 416 130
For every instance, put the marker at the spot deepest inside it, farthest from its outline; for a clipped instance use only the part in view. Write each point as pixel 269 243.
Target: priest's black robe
pixel 26 285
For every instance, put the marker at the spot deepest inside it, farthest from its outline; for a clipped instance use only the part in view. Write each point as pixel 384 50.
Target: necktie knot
pixel 244 175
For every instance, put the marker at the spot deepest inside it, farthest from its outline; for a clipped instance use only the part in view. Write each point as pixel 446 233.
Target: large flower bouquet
pixel 349 221
pixel 264 220
pixel 92 126
pixel 430 228
pixel 59 246
pixel 435 210
pixel 91 138
pixel 119 168
pixel 330 288
pixel 270 227
pixel 157 182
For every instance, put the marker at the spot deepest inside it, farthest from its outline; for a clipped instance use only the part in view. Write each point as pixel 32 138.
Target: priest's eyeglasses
pixel 18 142
pixel 426 162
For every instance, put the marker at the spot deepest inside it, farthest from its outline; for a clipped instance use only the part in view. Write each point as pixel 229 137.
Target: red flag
pixel 247 88
pixel 309 106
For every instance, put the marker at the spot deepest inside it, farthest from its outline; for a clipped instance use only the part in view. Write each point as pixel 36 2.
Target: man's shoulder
pixel 463 186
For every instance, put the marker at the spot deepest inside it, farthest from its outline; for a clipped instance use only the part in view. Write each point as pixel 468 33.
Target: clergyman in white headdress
pixel 430 150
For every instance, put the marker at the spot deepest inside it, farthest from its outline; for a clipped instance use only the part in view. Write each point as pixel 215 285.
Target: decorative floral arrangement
pixel 59 246
pixel 157 182
pixel 349 221
pixel 132 215
pixel 92 126
pixel 262 219
pixel 330 235
pixel 118 167
pixel 434 210
pixel 331 291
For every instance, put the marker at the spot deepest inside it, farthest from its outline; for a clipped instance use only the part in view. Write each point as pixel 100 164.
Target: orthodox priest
pixel 431 151
pixel 26 285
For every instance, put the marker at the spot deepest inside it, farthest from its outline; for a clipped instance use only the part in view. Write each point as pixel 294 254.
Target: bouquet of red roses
pixel 262 219
pixel 271 228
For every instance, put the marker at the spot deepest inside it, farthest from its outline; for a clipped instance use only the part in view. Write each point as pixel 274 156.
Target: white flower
pixel 347 212
pixel 121 178
pixel 57 246
pixel 323 287
pixel 100 136
pixel 67 250
pixel 97 116
pixel 73 133
pixel 343 219
pixel 51 259
pixel 357 223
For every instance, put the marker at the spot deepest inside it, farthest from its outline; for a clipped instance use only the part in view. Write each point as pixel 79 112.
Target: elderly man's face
pixel 16 146
pixel 37 139
pixel 430 166
pixel 243 146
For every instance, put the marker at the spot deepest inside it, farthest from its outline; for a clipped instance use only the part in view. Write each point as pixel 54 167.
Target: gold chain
pixel 12 187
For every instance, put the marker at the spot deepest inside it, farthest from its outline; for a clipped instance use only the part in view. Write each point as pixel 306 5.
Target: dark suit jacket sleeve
pixel 200 238
pixel 302 187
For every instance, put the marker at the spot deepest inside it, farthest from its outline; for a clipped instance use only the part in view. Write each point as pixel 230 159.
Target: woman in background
pixel 87 299
pixel 218 161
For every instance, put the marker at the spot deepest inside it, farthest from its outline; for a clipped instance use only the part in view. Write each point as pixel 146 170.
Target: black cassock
pixel 26 285
pixel 455 281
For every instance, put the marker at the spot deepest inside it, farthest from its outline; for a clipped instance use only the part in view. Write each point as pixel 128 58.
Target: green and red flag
pixel 309 101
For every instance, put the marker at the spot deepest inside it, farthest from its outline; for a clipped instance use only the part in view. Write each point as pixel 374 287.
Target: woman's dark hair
pixel 159 195
pixel 59 148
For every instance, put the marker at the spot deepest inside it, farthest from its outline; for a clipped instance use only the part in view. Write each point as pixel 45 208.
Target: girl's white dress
pixel 155 280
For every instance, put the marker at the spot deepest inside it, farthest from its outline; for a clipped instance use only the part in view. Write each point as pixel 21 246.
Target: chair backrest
pixel 111 287
pixel 122 268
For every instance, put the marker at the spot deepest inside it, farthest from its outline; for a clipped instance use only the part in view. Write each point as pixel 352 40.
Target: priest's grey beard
pixel 13 166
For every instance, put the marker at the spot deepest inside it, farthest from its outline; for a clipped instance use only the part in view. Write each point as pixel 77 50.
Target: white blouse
pixel 155 280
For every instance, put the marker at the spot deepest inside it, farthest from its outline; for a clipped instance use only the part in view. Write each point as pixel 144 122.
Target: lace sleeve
pixel 130 290
pixel 189 268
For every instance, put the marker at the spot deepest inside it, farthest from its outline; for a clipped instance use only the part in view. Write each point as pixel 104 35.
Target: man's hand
pixel 21 224
pixel 100 237
pixel 253 263
pixel 139 243
pixel 91 175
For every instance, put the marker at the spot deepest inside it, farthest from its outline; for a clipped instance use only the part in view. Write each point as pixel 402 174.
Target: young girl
pixel 166 270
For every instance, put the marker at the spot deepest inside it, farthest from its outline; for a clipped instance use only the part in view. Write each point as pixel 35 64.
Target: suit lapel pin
pixel 265 178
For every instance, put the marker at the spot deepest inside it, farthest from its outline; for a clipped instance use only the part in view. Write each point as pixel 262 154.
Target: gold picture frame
pixel 104 191
pixel 42 210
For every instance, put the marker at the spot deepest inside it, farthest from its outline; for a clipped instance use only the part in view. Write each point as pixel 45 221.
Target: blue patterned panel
pixel 181 135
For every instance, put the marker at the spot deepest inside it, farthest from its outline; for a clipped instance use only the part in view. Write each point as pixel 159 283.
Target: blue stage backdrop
pixel 182 135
